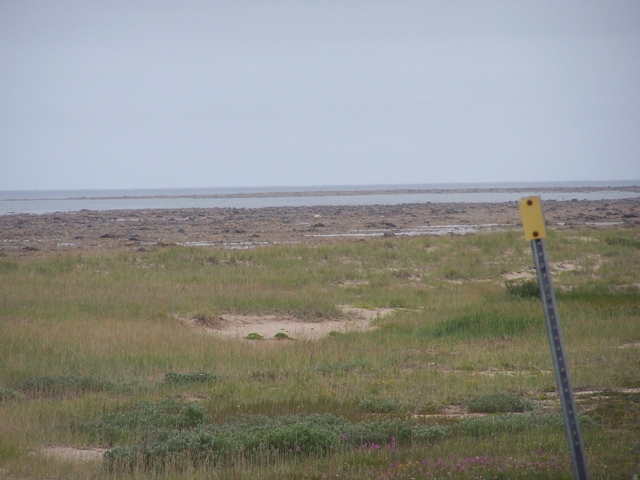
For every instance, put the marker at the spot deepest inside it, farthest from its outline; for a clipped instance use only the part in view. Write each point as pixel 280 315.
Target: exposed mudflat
pixel 84 231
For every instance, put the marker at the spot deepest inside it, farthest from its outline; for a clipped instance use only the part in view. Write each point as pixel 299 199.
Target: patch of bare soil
pixel 74 454
pixel 598 392
pixel 513 373
pixel 527 274
pixel 451 411
pixel 239 326
pixel 530 272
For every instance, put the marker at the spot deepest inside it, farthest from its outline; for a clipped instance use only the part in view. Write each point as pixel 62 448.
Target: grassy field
pixel 94 354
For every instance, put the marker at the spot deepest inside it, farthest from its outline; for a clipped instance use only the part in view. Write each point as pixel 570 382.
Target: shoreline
pixel 69 202
pixel 354 192
pixel 142 230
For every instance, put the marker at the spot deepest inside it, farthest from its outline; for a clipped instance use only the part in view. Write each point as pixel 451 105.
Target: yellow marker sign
pixel 532 219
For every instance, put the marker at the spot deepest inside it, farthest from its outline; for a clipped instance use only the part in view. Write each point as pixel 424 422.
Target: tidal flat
pixel 241 228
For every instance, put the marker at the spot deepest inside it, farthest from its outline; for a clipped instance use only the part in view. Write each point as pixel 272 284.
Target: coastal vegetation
pixel 457 381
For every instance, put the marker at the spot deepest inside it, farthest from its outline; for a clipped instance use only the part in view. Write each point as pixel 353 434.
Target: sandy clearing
pixel 74 454
pixel 239 326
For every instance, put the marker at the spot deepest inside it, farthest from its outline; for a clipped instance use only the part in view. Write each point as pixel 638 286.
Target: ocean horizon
pixel 54 201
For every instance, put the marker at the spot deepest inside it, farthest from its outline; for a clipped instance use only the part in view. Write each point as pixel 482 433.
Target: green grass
pixel 187 378
pixel 93 352
pixel 499 403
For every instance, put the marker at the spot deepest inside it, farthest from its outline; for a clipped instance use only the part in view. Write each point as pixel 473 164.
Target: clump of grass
pixel 523 288
pixel 398 430
pixel 514 423
pixel 63 386
pixel 7 265
pixel 174 378
pixel 482 324
pixel 499 403
pixel 622 242
pixel 282 336
pixel 8 394
pixel 254 336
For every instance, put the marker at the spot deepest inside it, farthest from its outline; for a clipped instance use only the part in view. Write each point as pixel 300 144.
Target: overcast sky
pixel 142 94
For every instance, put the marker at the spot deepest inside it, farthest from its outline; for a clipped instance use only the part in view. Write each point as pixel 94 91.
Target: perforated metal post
pixel 534 230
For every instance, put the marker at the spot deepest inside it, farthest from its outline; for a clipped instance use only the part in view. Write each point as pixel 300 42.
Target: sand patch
pixel 366 313
pixel 351 283
pixel 556 268
pixel 521 275
pixel 592 393
pixel 451 411
pixel 512 373
pixel 239 326
pixel 74 454
pixel 564 267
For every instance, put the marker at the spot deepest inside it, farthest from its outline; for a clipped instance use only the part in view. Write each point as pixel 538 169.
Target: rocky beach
pixel 140 230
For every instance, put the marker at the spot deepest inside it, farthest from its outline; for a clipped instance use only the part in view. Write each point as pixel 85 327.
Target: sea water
pixel 39 202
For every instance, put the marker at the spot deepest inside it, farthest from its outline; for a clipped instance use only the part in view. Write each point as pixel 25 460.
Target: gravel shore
pixel 139 230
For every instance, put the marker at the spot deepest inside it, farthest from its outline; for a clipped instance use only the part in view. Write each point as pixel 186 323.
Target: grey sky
pixel 136 94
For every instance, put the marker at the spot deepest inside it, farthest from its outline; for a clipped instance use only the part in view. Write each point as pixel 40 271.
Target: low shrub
pixel 143 420
pixel 264 438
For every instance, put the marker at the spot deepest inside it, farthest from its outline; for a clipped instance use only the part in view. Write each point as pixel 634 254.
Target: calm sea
pixel 39 202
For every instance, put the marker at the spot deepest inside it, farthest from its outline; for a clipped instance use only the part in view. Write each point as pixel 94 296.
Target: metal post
pixel 533 223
